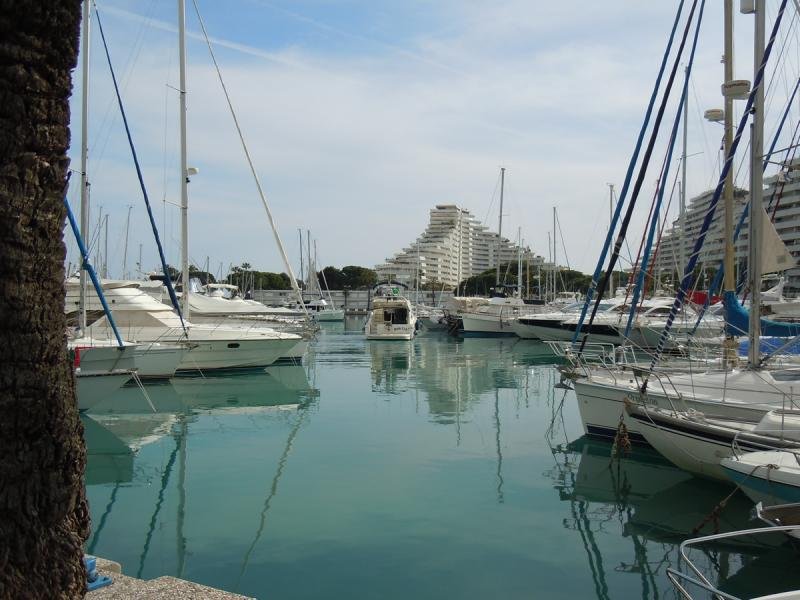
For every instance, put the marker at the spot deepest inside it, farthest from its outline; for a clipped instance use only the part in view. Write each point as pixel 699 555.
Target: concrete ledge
pixel 124 587
pixel 108 566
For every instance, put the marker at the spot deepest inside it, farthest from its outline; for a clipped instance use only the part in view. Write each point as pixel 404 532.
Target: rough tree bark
pixel 43 513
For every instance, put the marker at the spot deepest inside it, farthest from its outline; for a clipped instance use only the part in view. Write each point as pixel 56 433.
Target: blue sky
pixel 361 116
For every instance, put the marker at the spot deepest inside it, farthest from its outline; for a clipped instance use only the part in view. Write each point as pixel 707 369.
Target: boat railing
pixel 679 579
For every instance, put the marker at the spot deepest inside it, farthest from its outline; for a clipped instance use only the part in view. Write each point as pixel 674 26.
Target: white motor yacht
pixel 496 317
pixel 391 318
pixel 142 318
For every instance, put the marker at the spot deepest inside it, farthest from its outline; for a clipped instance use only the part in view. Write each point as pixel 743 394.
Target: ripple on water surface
pixel 434 468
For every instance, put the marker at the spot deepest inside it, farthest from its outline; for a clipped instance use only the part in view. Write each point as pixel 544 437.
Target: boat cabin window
pixel 395 316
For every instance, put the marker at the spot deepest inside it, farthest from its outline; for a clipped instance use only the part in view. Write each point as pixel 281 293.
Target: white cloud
pixel 358 147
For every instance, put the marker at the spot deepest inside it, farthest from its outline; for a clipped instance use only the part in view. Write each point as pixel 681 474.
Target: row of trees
pixel 567 280
pixel 350 277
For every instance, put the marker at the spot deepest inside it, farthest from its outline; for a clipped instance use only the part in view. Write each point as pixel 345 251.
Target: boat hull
pixel 233 354
pixel 486 325
pixel 696 447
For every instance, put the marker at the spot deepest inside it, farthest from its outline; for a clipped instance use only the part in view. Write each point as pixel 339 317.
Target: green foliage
pixel 248 279
pixel 568 280
pixel 349 277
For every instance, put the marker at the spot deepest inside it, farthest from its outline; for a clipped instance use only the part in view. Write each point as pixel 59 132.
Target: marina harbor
pixel 448 300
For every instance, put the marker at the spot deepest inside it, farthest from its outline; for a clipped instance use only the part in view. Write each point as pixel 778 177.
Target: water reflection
pixel 653 504
pixel 161 415
pixel 384 469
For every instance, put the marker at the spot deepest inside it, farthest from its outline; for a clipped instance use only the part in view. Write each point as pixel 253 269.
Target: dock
pixel 172 588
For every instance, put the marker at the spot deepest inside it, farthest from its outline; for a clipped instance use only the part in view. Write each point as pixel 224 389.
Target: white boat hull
pixel 696 445
pixel 749 395
pixel 233 354
pixel 157 361
pixel 480 324
pixel 549 330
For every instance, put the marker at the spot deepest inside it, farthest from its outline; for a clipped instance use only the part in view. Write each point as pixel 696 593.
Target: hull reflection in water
pixel 439 472
pixel 108 458
pixel 655 505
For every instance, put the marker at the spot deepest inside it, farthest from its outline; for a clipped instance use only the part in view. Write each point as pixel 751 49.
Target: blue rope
pixel 170 289
pixel 90 269
pixel 654 220
pixel 688 274
pixel 642 172
pixel 628 177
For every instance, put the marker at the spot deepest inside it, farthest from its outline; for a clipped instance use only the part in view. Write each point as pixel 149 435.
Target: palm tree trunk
pixel 43 512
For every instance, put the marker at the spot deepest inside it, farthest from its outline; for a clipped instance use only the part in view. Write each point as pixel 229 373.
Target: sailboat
pixel 712 388
pixel 496 317
pixel 319 308
pixel 206 347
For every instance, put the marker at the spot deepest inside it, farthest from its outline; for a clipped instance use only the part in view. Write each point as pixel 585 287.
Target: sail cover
pixel 737 320
pixel 775 256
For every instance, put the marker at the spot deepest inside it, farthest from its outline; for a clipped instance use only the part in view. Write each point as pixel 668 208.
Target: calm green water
pixel 438 468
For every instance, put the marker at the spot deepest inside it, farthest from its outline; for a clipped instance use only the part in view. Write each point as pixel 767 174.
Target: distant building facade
pixel 781 190
pixel 453 247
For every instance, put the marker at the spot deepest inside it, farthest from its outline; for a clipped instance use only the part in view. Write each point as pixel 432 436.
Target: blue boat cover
pixel 737 320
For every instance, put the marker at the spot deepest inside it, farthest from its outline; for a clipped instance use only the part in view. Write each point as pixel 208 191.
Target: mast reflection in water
pixel 432 468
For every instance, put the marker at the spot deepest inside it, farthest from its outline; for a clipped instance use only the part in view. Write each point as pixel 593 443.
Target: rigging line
pixel 104 130
pixel 491 201
pixel 167 279
pixel 636 267
pixel 664 176
pixel 92 274
pixel 661 230
pixel 706 147
pixel 645 162
pixel 689 269
pixel 563 244
pixel 261 193
pixel 716 281
pixel 628 175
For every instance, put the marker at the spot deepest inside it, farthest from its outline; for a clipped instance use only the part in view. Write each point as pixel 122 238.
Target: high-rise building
pixel 781 197
pixel 453 247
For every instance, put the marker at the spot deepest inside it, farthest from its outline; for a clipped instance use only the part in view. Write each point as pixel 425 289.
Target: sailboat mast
pixel 611 220
pixel 555 264
pixel 312 268
pixel 84 153
pixel 756 193
pixel 500 227
pixel 460 246
pixel 519 263
pixel 302 260
pixel 125 251
pixel 184 178
pixel 682 216
pixel 729 275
